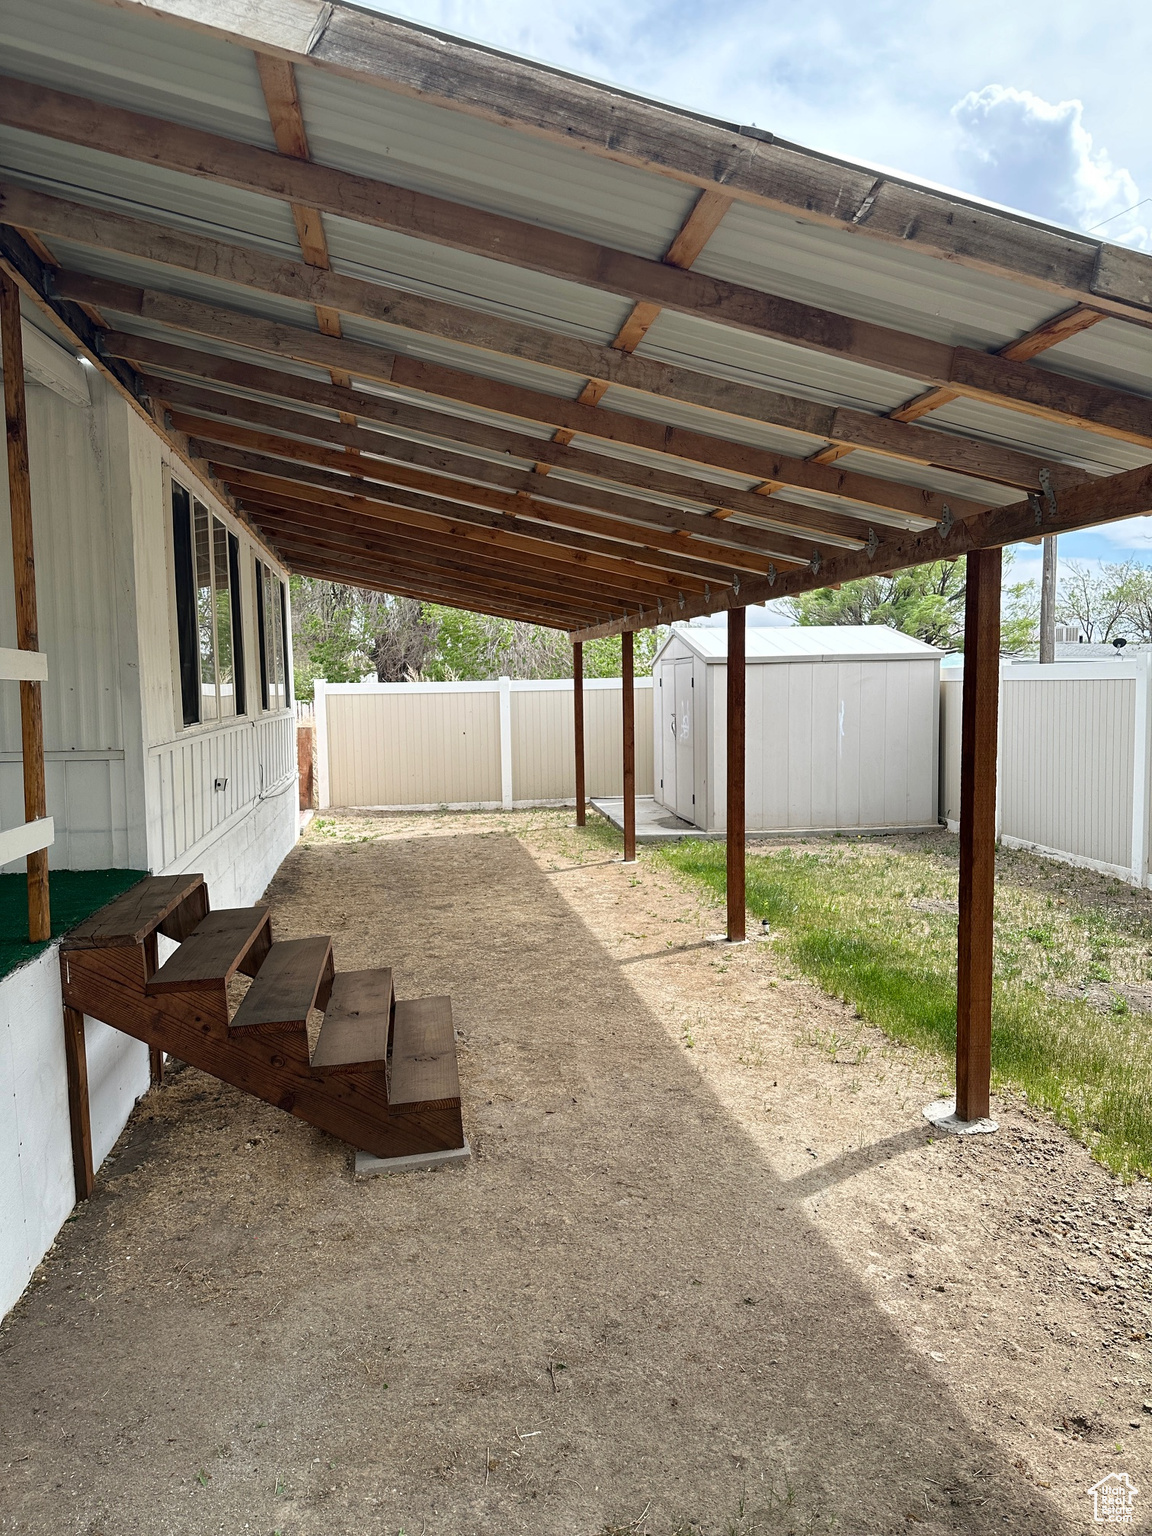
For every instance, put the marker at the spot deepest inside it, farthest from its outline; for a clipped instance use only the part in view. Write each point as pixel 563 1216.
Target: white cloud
pixel 1134 533
pixel 1036 155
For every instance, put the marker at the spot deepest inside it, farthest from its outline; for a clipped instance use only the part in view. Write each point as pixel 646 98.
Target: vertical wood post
pixel 628 705
pixel 736 799
pixel 24 578
pixel 76 1056
pixel 151 966
pixel 578 725
pixel 977 833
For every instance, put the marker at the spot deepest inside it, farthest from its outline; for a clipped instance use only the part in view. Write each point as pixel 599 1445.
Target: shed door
pixel 682 796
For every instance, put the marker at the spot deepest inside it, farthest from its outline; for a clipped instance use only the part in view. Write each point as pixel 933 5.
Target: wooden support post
pixel 629 722
pixel 578 726
pixel 977 834
pixel 736 805
pixel 76 1056
pixel 24 579
pixel 151 966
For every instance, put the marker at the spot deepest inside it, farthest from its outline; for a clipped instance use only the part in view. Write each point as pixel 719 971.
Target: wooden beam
pixel 1051 333
pixel 628 705
pixel 1104 500
pixel 698 228
pixel 538 543
pixel 384 518
pixel 578 728
pixel 278 83
pixel 977 834
pixel 426 588
pixel 24 578
pixel 979 375
pixel 735 811
pixel 531 510
pixel 588 588
pixel 856 428
pixel 79 1114
pixel 746 163
pixel 96 125
pixel 220 377
pixel 624 511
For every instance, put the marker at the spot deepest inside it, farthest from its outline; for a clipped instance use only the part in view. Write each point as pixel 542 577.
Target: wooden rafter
pixel 625 511
pixel 1084 506
pixel 995 378
pixel 986 461
pixel 407 527
pixel 745 163
pixel 905 503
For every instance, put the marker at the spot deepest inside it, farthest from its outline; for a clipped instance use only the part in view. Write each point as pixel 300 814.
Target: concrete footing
pixel 942 1115
pixel 368 1164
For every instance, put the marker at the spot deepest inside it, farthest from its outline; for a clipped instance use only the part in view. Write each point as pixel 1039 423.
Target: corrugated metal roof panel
pixel 137 327
pixel 133 60
pixel 1111 352
pixel 1035 434
pixel 706 347
pixel 413 143
pixel 871 279
pixel 696 418
pixel 475 282
pixel 190 285
pixel 945 481
pixel 147 192
pixel 807 642
pixel 487 365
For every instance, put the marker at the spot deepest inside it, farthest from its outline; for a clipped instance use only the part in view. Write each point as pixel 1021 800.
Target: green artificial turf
pixel 74 895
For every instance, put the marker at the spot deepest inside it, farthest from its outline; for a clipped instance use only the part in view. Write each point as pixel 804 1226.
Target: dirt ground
pixel 708 1271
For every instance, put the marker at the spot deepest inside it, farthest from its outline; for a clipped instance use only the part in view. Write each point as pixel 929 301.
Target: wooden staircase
pixel 383 1073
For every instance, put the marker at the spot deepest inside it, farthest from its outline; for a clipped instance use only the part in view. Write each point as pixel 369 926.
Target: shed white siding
pixel 841 729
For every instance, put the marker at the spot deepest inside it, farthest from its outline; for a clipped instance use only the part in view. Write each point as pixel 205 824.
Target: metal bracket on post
pixel 872 545
pixel 815 563
pixel 772 574
pixel 947 522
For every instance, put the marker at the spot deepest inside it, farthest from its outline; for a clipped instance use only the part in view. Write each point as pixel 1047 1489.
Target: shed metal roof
pixel 805 642
pixel 765 448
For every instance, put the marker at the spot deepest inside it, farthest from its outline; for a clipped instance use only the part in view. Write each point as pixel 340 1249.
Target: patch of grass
pixel 843 916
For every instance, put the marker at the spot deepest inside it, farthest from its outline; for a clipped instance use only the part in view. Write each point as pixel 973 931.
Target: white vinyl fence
pixel 492 745
pixel 1075 766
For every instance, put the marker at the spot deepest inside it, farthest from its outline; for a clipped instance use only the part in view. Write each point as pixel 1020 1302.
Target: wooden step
pixel 354 1034
pixel 295 977
pixel 423 1053
pixel 169 904
pixel 232 939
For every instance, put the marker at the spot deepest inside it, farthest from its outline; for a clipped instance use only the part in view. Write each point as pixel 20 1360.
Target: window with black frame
pixel 272 622
pixel 209 627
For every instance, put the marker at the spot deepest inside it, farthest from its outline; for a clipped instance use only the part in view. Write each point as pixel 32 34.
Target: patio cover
pixel 454 325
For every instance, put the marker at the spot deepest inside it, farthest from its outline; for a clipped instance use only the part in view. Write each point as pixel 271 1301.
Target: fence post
pixel 506 743
pixel 321 765
pixel 1141 761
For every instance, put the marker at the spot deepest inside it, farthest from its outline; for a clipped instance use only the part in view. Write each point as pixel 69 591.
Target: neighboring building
pixel 842 727
pixel 169 739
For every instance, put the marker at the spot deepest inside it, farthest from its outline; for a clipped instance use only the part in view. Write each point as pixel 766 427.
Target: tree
pixel 1108 603
pixel 341 633
pixel 926 601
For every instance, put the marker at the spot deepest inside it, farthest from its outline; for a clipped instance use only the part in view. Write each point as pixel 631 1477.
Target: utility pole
pixel 1048 601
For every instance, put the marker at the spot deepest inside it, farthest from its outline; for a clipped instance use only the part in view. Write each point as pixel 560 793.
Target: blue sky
pixel 1040 106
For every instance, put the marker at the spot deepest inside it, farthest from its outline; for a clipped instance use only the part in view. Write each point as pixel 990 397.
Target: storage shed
pixel 842 728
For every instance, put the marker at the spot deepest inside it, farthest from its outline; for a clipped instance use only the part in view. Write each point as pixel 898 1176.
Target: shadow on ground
pixel 615 1316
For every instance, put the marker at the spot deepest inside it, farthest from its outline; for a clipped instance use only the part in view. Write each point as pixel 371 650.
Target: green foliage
pixel 926 601
pixel 843 916
pixel 1112 603
pixel 342 634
